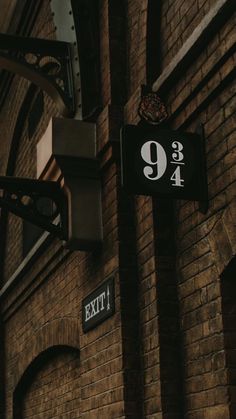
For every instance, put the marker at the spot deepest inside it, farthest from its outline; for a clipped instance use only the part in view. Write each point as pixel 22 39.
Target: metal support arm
pixel 46 63
pixel 27 197
pixel 66 198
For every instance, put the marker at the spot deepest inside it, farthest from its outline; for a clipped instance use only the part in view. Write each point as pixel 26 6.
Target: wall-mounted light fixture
pixel 66 154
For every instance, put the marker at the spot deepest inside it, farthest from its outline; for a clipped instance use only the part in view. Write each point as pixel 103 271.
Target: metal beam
pixel 65 24
pixel 23 197
pixel 27 57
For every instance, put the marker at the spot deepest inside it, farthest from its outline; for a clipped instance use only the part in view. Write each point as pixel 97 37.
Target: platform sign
pixel 162 162
pixel 99 305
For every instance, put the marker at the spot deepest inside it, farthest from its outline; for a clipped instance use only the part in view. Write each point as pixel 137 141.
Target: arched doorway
pixel 50 386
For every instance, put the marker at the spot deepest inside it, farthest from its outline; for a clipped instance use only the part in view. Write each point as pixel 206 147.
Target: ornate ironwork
pixel 24 198
pixel 44 62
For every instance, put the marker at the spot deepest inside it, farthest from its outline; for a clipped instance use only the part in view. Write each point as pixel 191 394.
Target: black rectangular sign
pixel 99 305
pixel 163 162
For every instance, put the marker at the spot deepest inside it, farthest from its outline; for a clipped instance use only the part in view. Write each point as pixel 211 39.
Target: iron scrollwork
pixel 23 197
pixel 44 62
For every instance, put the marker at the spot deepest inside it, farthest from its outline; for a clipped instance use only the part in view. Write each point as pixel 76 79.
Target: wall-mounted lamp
pixel 66 154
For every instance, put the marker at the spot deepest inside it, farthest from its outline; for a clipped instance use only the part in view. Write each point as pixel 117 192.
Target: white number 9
pixel 154 154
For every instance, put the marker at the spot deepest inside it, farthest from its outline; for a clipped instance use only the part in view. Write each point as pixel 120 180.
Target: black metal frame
pixel 22 197
pixel 27 57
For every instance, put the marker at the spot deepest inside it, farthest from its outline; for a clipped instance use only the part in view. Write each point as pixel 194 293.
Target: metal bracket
pixel 65 24
pixel 66 199
pixel 46 63
pixel 26 199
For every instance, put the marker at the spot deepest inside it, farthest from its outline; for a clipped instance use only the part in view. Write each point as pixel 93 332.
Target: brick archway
pixel 57 333
pixel 57 338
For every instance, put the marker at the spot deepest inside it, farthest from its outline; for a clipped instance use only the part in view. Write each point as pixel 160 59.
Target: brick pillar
pixel 228 289
pixel 171 378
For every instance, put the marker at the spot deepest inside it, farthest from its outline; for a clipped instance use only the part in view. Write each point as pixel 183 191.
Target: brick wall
pixel 198 260
pixel 228 315
pixel 179 19
pixel 54 288
pixel 136 21
pixel 25 160
pixel 163 354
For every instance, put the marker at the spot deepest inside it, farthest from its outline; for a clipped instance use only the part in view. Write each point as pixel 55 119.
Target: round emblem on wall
pixel 152 109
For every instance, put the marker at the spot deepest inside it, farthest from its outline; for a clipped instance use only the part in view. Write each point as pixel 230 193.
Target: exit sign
pixel 162 162
pixel 99 305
